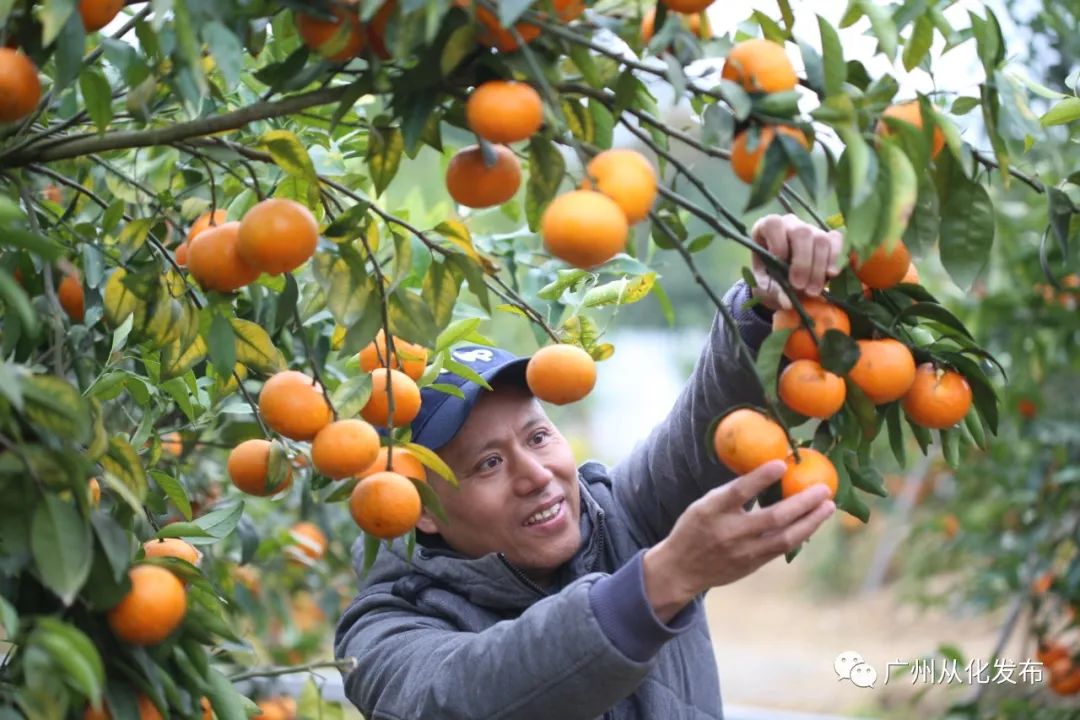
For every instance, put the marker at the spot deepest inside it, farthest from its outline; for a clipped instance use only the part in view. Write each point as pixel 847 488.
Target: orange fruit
pixel 277 235
pixel 338 40
pixel 172 444
pixel 911 113
pixel 207 709
pixel 937 399
pixel 746 439
pixel 92 714
pixel 147 711
pixel 278 708
pixel 811 390
pixel 96 14
pixel 53 194
pixel 1052 653
pixel 950 525
pixel 884 268
pixel 152 609
pixel 626 177
pixel 494 35
pixel 293 405
pixel 376 30
pixel 406 399
pixel 20 88
pixel 1041 585
pixel 385 505
pixel 561 374
pixel 473 184
pixel 504 111
pixel 812 468
pixel 800 344
pixel 70 294
pixel 911 276
pixel 584 228
pixel 402 462
pixel 408 357
pixel 1065 678
pixel 180 254
pixel 884 371
pixel 745 162
pixel 249 468
pixel 172 547
pixel 206 221
pixel 344 448
pixel 310 540
pixel 95 491
pixel 690 22
pixel 214 260
pixel 759 65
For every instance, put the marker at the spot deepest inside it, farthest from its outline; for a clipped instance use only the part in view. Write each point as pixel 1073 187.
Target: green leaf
pixel 896 433
pixel 918 45
pixel 458 46
pixel 767 363
pixel 97 96
pixel 222 344
pixel 546 170
pixel 934 312
pixel 411 318
pixel 9 618
pixel 432 461
pixel 53 16
pixel 115 544
pixel 289 154
pixel 371 551
pixel 174 490
pixel 866 478
pixel 53 404
pixel 924 226
pixel 385 148
pixel 227 703
pixel 350 397
pixel 177 358
pixel 901 192
pixel 61 547
pixel 123 464
pixel 254 348
pixel 220 521
pixel 1060 210
pixel 430 500
pixel 456 332
pixel 347 286
pixel 838 351
pixel 18 304
pixel 882 26
pixel 439 292
pixel 39 245
pixel 832 55
pixel 70 45
pixel 620 292
pixel 227 50
pixel 1062 113
pixel 73 654
pixel 967 222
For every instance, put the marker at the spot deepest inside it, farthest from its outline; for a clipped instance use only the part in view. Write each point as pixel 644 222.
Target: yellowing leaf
pixel 254 347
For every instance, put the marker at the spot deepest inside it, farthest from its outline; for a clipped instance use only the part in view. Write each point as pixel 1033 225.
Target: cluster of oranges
pixel 343 37
pixel 275 236
pixel 885 372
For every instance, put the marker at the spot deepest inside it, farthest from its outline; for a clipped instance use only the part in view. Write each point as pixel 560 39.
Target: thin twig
pixel 348 664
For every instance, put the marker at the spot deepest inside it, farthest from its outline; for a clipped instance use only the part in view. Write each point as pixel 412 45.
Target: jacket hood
pixel 489 581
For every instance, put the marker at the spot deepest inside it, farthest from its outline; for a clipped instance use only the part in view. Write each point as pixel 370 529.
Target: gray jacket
pixel 449 637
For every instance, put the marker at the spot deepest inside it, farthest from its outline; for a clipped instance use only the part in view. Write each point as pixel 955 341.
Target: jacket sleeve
pixel 555 659
pixel 672 467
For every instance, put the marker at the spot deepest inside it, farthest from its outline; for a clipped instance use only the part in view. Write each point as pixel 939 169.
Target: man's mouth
pixel 546 514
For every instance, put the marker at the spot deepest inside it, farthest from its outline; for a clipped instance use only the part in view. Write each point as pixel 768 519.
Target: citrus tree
pixel 221 296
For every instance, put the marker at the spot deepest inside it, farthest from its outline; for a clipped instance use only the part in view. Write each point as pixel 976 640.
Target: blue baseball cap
pixel 441 413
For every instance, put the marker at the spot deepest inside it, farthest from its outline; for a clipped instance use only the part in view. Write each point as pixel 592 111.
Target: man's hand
pixel 812 254
pixel 716 541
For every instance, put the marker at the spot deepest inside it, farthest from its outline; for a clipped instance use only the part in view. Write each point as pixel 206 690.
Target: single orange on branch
pixel 406 399
pixel 206 221
pixel 911 113
pixel 277 235
pixel 385 505
pixel 758 65
pixel 561 374
pixel 152 609
pixel 249 469
pixel 884 371
pixel 746 157
pixel 408 357
pixel 585 228
pixel 626 177
pixel 96 14
pixel 824 316
pixel 310 541
pixel 292 404
pixel 937 399
pixel 344 448
pixel 746 439
pixel 504 111
pixel 812 468
pixel 214 260
pixel 475 184
pixel 70 294
pixel 811 390
pixel 20 87
pixel 339 39
pixel 172 547
pixel 886 267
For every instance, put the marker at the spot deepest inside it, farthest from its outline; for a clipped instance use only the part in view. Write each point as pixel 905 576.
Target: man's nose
pixel 530 474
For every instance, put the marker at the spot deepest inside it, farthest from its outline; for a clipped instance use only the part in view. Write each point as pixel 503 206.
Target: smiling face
pixel 518 491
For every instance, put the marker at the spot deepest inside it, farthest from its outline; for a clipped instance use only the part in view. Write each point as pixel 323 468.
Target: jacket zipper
pixel 522 577
pixel 600 530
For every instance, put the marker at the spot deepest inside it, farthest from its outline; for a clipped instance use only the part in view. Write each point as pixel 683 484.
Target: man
pixel 563 592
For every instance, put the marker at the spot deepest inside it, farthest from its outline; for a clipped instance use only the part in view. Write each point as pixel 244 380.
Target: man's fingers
pixel 801 242
pixel 820 265
pixel 836 250
pixel 779 542
pixel 776 518
pixel 771 233
pixel 743 489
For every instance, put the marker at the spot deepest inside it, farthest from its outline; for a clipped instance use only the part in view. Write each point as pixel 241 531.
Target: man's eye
pixel 539 437
pixel 489 463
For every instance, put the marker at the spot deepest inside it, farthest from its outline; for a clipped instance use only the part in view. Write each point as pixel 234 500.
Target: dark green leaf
pixel 832 55
pixel 115 543
pixel 896 433
pixel 546 171
pixel 174 490
pixel 967 222
pixel 351 396
pixel 61 547
pixel 221 342
pixel 918 45
pixel 385 148
pixel 767 363
pixel 838 351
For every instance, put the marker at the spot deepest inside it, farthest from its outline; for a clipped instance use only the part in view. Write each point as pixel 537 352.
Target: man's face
pixel 518 486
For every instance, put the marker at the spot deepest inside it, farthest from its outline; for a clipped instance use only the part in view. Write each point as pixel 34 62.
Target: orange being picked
pixel 152 609
pixel 884 371
pixel 812 468
pixel 277 235
pixel 70 294
pixel 249 469
pixel 406 396
pixel 561 374
pixel 745 162
pixel 504 111
pixel 402 462
pixel 310 541
pixel 213 259
pixel 385 505
pixel 338 40
pixel 292 404
pixel 759 65
pixel 626 177
pixel 408 357
pixel 811 390
pixel 885 268
pixel 746 439
pixel 344 448
pixel 206 221
pixel 172 547
pixel 937 399
pixel 911 113
pixel 825 316
pixel 584 228
pixel 20 88
pixel 473 184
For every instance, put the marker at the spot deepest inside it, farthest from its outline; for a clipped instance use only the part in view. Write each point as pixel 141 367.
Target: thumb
pixel 745 488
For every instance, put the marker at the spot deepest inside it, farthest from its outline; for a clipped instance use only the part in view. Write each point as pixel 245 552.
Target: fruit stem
pixel 310 354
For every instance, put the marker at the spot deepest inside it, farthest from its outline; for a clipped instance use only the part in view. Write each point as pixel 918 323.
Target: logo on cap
pixel 471 356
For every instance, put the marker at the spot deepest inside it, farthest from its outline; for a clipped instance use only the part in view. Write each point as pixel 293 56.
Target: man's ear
pixel 426 523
